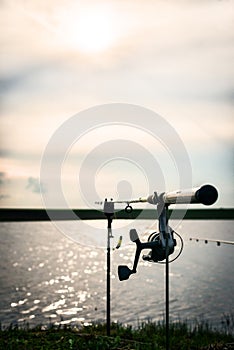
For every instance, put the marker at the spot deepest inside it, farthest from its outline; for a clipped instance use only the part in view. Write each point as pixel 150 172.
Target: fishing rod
pixel 162 244
pixel 217 241
pixel 206 194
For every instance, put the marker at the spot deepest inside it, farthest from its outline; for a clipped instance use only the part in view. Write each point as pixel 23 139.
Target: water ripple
pixel 44 282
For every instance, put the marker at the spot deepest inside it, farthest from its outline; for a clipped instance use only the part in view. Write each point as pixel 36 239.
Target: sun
pixel 89 29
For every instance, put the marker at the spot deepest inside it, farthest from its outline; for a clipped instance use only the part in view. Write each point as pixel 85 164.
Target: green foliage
pixel 148 336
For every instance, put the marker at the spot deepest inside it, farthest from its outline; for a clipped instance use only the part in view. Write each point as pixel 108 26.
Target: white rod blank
pixel 206 194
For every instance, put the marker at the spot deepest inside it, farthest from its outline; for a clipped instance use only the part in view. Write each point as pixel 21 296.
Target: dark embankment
pixel 13 214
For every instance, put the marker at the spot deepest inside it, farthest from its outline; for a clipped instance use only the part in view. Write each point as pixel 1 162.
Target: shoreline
pixel 21 214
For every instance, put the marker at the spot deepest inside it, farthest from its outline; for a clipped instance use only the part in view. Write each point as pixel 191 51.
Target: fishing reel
pixel 158 252
pixel 160 246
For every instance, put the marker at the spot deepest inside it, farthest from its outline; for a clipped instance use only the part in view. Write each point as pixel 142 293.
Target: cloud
pixel 2 177
pixel 35 186
pixel 4 196
pixel 3 180
pixel 181 51
pixel 175 58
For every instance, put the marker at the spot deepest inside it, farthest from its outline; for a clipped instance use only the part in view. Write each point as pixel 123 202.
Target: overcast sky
pixel 60 57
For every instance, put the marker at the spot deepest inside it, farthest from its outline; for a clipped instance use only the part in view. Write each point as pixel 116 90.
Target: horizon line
pixel 40 214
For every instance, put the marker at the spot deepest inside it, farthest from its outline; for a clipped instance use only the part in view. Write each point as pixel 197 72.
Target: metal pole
pixel 167 299
pixel 108 261
pixel 163 229
pixel 109 213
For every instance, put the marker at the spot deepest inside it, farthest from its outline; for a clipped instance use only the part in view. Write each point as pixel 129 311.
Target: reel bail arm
pixel 124 272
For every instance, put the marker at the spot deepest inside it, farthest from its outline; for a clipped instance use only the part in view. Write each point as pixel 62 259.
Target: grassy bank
pixel 148 336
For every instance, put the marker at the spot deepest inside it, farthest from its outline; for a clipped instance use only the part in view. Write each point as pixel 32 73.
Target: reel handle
pixel 124 272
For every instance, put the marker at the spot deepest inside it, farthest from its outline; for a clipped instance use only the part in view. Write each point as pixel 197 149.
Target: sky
pixel 59 58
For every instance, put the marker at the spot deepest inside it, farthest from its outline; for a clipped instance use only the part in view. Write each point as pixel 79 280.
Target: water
pixel 47 278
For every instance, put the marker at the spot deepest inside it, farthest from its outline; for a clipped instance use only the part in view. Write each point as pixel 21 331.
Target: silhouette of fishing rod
pixel 206 241
pixel 162 244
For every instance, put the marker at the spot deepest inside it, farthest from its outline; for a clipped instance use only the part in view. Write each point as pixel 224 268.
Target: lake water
pixel 46 277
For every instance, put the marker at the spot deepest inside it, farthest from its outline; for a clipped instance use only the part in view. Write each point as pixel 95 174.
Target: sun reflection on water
pixel 66 283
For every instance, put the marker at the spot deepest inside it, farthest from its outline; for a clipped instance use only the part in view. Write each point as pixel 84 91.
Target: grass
pixel 147 336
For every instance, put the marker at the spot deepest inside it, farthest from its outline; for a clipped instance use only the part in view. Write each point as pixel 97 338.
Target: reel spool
pixel 157 253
